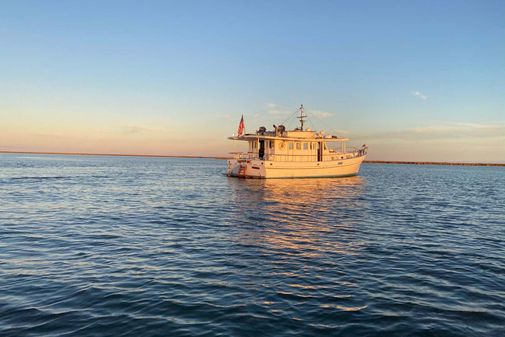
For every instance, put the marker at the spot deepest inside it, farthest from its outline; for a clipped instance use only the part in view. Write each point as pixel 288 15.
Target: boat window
pixel 298 146
pixel 271 144
pixel 305 146
pixel 324 144
pixel 290 146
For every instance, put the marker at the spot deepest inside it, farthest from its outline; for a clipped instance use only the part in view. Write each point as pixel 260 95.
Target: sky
pixel 414 80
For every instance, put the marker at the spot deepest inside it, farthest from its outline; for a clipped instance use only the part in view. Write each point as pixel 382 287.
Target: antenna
pixel 301 117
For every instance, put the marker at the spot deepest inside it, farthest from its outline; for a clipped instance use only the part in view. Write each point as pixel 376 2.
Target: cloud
pixel 340 132
pixel 280 110
pixel 419 94
pixel 442 131
pixel 477 129
pixel 142 130
pixel 443 141
pixel 319 114
pixel 225 116
pixel 277 110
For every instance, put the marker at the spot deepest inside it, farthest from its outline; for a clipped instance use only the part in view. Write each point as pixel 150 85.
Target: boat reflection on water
pixel 297 190
pixel 300 216
pixel 306 232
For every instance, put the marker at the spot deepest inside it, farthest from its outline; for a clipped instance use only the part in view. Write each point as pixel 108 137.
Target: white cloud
pixel 419 94
pixel 319 114
pixel 280 110
pixel 142 129
pixel 480 129
pixel 227 117
pixel 340 132
pixel 277 110
pixel 442 141
pixel 442 131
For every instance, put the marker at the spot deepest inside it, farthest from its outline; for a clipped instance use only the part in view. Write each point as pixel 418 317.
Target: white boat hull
pixel 257 168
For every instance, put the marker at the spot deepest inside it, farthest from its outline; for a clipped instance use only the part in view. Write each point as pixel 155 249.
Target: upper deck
pixel 295 145
pixel 294 135
pixel 301 138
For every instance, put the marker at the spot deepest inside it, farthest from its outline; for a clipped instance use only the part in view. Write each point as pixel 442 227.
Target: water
pixel 123 246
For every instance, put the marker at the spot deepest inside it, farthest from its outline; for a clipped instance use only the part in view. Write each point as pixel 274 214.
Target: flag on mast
pixel 240 130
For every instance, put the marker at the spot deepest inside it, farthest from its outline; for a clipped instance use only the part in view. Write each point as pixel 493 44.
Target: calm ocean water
pixel 125 246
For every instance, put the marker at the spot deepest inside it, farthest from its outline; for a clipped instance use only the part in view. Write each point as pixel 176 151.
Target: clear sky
pixel 415 80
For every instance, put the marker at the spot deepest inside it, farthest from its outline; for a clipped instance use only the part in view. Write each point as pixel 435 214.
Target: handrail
pixel 243 156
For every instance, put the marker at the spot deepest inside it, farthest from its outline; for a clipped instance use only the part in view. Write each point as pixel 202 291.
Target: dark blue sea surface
pixel 131 246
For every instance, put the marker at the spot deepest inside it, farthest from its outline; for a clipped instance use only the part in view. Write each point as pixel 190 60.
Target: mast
pixel 301 117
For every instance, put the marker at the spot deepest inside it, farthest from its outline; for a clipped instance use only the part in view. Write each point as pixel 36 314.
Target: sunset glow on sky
pixel 415 80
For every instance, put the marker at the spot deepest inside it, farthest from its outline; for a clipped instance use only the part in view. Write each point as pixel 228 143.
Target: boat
pixel 297 153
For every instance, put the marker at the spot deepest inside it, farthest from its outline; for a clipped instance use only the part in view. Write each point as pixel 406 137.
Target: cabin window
pixel 290 146
pixel 305 146
pixel 271 144
pixel 298 146
pixel 325 148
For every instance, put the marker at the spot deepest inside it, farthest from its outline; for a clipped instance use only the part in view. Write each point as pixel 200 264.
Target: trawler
pixel 298 153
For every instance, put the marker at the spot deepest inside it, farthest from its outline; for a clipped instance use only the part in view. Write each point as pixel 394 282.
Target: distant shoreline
pixel 222 158
pixel 111 154
pixel 429 163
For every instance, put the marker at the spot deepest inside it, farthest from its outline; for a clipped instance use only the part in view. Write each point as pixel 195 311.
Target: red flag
pixel 240 131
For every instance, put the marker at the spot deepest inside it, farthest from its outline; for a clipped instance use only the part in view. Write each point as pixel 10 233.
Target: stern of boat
pixel 245 168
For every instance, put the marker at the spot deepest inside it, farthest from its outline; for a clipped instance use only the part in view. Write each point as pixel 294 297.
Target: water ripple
pixel 112 246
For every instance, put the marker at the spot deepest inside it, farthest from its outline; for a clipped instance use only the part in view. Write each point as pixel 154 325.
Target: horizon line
pixel 409 162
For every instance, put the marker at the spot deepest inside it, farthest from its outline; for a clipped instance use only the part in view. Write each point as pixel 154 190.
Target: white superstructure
pixel 294 154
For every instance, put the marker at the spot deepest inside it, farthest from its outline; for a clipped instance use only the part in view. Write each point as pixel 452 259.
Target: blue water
pixel 129 246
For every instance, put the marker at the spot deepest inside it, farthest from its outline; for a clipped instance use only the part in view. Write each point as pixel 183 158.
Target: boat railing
pixel 243 156
pixel 311 157
pixel 331 156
